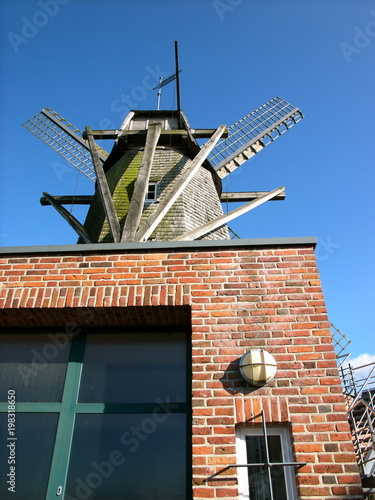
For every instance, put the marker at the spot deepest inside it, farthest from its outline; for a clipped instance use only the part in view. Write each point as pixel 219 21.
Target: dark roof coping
pixel 161 245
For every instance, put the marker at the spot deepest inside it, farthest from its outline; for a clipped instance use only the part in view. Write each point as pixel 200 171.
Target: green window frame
pixel 70 411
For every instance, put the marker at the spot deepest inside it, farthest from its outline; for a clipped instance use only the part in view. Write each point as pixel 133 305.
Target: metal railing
pixel 358 384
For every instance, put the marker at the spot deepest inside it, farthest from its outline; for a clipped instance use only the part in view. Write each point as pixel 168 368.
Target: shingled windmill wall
pixel 198 203
pixel 234 296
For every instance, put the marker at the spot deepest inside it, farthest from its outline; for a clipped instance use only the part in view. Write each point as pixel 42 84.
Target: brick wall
pixel 236 298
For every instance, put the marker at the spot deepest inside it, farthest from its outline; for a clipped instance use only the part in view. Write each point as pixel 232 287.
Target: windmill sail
pixel 252 133
pixel 65 139
pixel 159 149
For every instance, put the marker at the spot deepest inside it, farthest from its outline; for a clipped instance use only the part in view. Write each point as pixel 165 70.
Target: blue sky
pixel 87 58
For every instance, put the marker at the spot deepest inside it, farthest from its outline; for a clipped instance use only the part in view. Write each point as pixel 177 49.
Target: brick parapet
pixel 235 299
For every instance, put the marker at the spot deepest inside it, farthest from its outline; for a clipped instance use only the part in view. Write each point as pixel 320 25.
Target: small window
pixel 152 192
pixel 255 482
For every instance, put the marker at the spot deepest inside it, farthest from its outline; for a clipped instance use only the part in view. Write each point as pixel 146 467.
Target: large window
pixel 101 415
pixel 272 452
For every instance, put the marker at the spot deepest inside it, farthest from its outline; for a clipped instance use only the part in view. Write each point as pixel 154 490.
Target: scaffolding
pixel 358 384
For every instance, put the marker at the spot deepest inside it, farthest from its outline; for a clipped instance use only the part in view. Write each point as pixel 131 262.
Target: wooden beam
pixel 127 120
pixel 72 221
pixel 69 200
pixel 101 134
pixel 223 219
pixel 133 217
pixel 246 196
pixel 181 181
pixel 105 194
pixel 202 133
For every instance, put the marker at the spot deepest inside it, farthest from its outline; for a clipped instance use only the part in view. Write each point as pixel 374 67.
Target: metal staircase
pixel 358 385
pixel 359 389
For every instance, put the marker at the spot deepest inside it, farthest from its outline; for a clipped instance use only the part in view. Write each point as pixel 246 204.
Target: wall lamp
pixel 258 367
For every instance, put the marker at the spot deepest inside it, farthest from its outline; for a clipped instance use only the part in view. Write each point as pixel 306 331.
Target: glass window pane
pixel 255 449
pixel 34 366
pixel 128 457
pixel 259 488
pixel 134 368
pixel 32 451
pixel 277 472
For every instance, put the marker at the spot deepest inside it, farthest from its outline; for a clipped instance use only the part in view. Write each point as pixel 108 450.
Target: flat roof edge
pixel 158 245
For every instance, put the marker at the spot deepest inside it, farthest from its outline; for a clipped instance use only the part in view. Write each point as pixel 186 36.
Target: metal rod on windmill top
pixel 159 92
pixel 177 76
pixel 170 79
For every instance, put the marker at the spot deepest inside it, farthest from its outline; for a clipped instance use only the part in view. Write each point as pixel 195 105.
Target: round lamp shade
pixel 258 367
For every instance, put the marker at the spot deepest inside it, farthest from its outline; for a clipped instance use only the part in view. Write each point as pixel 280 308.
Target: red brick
pixel 348 479
pixel 321 492
pixel 206 492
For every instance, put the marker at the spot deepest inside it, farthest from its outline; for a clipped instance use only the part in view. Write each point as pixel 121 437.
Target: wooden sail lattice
pixel 65 139
pixel 252 133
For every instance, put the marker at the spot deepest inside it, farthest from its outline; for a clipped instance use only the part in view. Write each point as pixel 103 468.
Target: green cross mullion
pixel 64 434
pixel 125 407
pixel 92 407
pixel 33 408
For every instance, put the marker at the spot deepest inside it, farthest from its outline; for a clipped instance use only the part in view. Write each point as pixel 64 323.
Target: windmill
pixel 157 183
